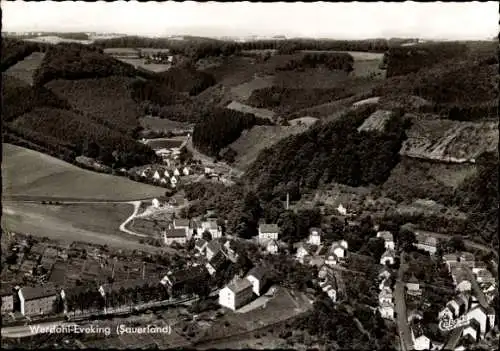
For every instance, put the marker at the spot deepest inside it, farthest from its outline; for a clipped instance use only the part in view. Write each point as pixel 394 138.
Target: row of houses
pixel 385 297
pixel 182 230
pixel 165 176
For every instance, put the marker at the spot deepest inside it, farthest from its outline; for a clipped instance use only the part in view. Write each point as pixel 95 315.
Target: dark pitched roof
pixel 200 243
pixel 257 272
pixel 239 285
pixel 183 275
pixel 413 279
pixel 218 261
pixel 214 246
pixel 268 228
pixel 181 222
pixel 175 233
pixel 33 293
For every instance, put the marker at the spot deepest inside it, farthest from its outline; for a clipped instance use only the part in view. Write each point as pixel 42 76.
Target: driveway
pixel 400 308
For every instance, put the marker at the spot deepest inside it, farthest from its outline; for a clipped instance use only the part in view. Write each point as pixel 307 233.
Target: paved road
pixel 400 308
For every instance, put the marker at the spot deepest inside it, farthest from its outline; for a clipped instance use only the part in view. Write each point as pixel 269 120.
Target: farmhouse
pixel 302 252
pixel 182 224
pixel 38 300
pixel 229 250
pixel 268 232
pixel 236 294
pixel 385 296
pixel 212 227
pixel 485 276
pixel 387 310
pixel 272 247
pixel 384 273
pixel 388 239
pixel 217 263
pixel 171 236
pixel 213 248
pixel 257 277
pixel 339 249
pixel 200 245
pixel 7 294
pixel 426 243
pixel 314 236
pixel 479 266
pixel 450 259
pixel 412 286
pixel 388 257
pixel 420 341
pixel 329 286
pixel 467 259
pixel 177 281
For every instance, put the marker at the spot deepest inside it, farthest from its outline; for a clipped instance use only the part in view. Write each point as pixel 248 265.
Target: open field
pixel 139 63
pixel 24 69
pixel 33 174
pixel 68 224
pixel 285 305
pixel 163 124
pixel 253 141
pixel 163 143
pixel 243 91
pixel 258 112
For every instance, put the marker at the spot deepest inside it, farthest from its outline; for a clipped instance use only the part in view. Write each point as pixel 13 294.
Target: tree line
pixel 327 152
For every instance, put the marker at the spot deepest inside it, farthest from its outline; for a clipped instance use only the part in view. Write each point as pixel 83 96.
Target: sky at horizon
pixel 463 21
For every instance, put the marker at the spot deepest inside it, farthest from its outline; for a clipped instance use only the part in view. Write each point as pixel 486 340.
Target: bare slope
pixel 252 141
pixel 32 174
pixel 450 141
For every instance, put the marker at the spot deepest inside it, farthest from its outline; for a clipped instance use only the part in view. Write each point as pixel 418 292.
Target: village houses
pixel 413 286
pixel 388 257
pixel 314 236
pixel 388 239
pixel 426 243
pixel 272 247
pixel 213 248
pixel 257 276
pixel 171 236
pixel 236 294
pixel 211 227
pixel 268 232
pixel 7 294
pixel 38 300
pixel 200 245
pixel 218 262
pixel 420 340
pixel 328 282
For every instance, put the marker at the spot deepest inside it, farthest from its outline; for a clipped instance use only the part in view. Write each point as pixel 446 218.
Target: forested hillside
pixel 14 50
pixel 75 61
pixel 402 60
pixel 478 196
pixel 464 90
pixel 218 128
pixel 333 151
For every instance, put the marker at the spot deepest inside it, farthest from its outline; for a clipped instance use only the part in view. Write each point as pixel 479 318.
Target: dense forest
pixel 478 196
pixel 52 127
pixel 14 50
pixel 333 151
pixel 198 48
pixel 402 60
pixel 330 60
pixel 75 61
pixel 218 128
pixel 288 100
pixel 465 90
pixel 186 80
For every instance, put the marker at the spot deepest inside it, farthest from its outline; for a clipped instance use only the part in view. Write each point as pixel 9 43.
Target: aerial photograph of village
pixel 299 176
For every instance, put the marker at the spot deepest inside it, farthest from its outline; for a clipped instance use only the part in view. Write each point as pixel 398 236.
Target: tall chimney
pixel 287 200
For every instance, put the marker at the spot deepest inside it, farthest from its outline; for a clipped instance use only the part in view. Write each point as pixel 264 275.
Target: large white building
pixel 314 236
pixel 388 239
pixel 268 232
pixel 257 276
pixel 236 294
pixel 38 300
